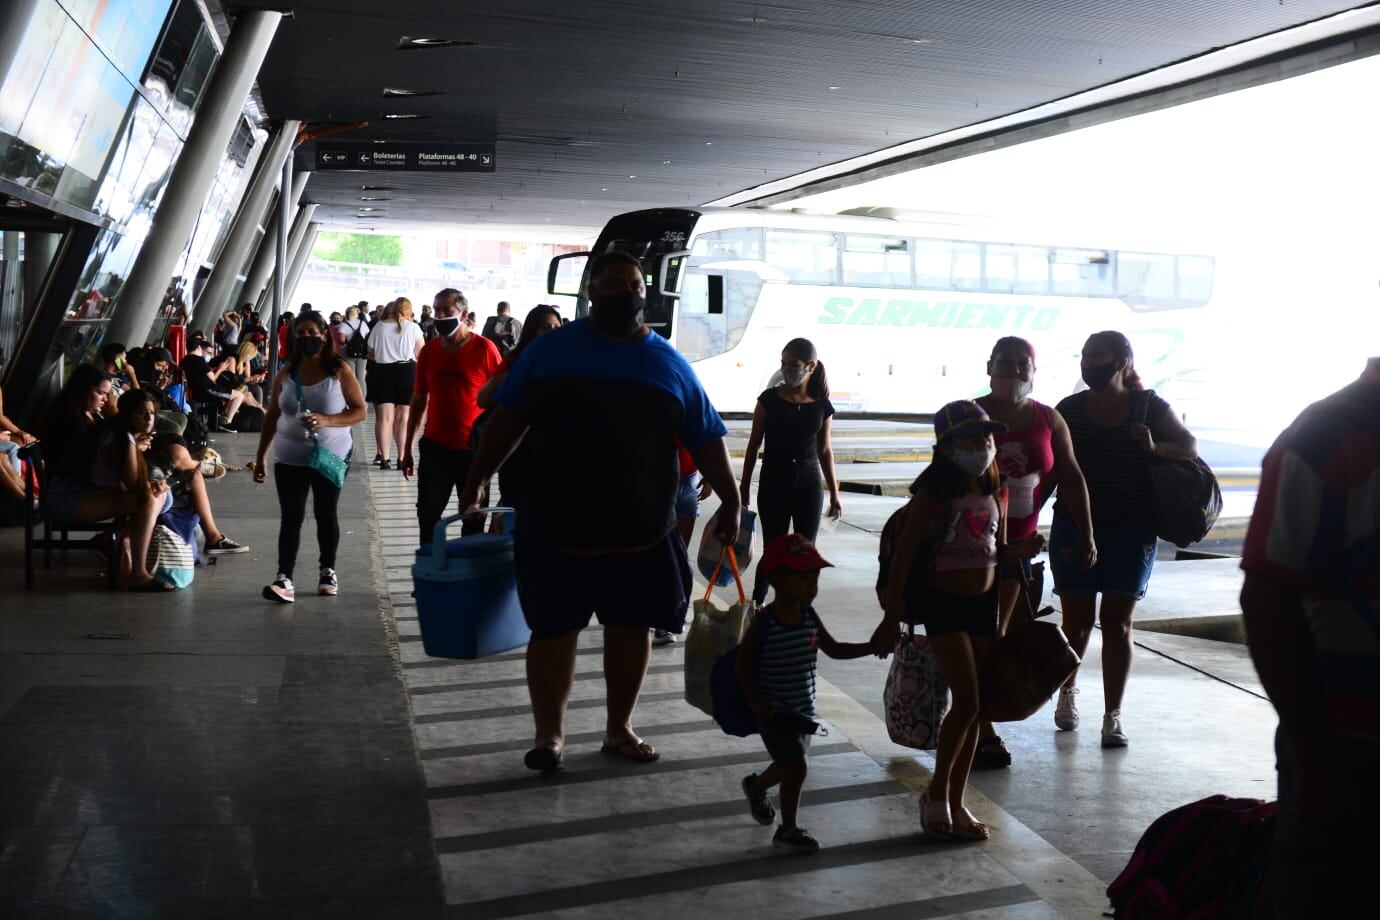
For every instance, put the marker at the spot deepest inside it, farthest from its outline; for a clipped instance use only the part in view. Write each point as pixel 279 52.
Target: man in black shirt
pixel 503 330
pixel 202 384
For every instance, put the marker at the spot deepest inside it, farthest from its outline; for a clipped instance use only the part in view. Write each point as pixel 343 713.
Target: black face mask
pixel 618 310
pixel 446 325
pixel 309 345
pixel 1099 375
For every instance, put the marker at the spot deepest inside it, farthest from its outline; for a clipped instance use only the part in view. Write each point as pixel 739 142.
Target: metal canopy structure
pixel 603 106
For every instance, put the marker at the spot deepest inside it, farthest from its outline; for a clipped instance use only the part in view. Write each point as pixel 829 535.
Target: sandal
pixel 631 748
pixel 934 817
pixel 967 827
pixel 544 759
pixel 991 754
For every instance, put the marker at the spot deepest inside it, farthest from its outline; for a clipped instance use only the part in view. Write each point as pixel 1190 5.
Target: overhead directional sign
pixel 393 156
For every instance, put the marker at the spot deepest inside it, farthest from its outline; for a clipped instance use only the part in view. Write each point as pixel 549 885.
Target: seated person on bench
pixel 202 382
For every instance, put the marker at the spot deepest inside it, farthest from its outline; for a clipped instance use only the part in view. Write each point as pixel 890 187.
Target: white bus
pixel 904 313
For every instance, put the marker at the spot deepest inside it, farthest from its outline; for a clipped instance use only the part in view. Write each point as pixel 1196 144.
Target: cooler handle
pixel 438 536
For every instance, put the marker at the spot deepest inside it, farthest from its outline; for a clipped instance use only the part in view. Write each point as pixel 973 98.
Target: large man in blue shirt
pixel 606 399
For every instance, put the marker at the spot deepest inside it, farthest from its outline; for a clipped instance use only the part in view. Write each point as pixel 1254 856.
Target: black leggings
pixel 789 502
pixel 294 482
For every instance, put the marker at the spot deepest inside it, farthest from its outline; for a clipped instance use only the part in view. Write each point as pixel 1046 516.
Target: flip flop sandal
pixel 153 587
pixel 935 824
pixel 544 760
pixel 972 829
pixel 634 749
pixel 992 754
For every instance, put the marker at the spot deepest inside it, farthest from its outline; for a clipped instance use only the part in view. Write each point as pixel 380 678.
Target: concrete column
pixel 294 242
pixel 225 277
pixel 299 264
pixel 262 267
pixel 137 304
pixel 40 248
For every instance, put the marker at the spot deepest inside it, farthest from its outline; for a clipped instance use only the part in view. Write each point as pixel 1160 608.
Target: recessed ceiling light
pixel 632 177
pixel 603 190
pixel 709 143
pixel 378 188
pixel 374 198
pixel 922 41
pixel 419 42
pixel 393 92
pixel 402 116
pixel 665 162
pixel 368 209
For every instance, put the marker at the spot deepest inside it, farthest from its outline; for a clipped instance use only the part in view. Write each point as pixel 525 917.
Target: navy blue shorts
pixel 649 589
pixel 688 498
pixel 784 744
pixel 1125 560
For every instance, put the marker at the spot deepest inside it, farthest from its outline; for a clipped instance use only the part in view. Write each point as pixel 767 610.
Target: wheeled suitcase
pixel 466 590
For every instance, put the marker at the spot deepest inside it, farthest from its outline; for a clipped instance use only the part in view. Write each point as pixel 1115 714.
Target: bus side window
pixel 876 261
pixel 1145 278
pixel 804 256
pixel 948 265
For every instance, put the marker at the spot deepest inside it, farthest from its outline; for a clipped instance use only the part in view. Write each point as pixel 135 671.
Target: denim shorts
pixel 688 498
pixel 1124 562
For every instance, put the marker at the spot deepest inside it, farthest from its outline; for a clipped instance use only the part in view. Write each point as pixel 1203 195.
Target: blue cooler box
pixel 466 590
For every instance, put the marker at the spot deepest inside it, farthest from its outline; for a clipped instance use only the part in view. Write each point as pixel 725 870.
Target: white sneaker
pixel 661 637
pixel 1066 712
pixel 1112 735
pixel 328 585
pixel 281 590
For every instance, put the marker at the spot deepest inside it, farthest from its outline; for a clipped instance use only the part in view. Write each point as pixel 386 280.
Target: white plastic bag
pixel 712 633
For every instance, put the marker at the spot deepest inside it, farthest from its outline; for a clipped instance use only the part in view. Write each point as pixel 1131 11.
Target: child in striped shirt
pixel 776 666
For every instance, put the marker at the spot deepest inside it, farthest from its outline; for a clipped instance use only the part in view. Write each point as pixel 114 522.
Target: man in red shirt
pixel 451 369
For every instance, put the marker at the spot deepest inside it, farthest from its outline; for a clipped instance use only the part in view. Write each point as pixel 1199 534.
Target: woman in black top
pixel 794 418
pixel 1117 428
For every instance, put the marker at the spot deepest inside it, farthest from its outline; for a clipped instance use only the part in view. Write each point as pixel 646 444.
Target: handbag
pixel 326 462
pixel 1027 665
pixel 916 696
pixel 712 633
pixel 1187 496
pixel 174 561
pixel 710 557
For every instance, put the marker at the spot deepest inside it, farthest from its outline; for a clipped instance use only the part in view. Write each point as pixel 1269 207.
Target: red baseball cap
pixel 794 552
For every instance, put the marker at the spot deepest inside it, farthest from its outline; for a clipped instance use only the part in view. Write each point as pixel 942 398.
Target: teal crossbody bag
pixel 324 461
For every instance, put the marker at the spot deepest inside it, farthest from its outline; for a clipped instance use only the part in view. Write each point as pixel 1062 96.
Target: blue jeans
pixel 11 451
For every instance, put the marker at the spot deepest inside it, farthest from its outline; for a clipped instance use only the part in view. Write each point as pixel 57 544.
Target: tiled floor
pixel 606 837
pixel 234 758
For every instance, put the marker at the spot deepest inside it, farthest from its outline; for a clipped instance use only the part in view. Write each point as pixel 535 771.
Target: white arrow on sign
pixel 486 159
pixel 366 157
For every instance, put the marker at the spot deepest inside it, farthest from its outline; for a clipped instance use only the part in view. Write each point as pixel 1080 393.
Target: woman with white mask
pixel 1034 454
pixel 793 418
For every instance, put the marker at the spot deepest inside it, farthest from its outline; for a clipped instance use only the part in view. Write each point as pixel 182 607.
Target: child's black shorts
pixel 783 743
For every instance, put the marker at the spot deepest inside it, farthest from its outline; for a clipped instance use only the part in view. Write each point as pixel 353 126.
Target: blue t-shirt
pixel 605 415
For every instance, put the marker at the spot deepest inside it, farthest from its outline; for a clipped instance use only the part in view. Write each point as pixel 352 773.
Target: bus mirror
pixel 564 274
pixel 669 272
pixel 716 294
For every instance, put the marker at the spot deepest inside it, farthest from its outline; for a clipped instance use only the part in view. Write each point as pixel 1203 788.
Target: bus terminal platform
pixel 211 754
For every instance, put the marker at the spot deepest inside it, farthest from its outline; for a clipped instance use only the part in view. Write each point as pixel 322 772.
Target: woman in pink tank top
pixel 1035 454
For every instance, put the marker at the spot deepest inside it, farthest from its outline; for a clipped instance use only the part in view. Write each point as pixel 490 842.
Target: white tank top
pixel 291 445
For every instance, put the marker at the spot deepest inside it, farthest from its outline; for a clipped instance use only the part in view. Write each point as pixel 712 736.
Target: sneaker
pixel 327 584
pixel 1112 735
pixel 385 464
pixel 759 803
pixel 281 590
pixel 795 840
pixel 662 637
pixel 1066 712
pixel 225 547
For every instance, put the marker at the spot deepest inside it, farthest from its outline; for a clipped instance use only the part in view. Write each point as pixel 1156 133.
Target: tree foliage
pixel 363 248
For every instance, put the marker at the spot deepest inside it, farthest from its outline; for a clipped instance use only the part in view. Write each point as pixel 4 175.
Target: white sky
pixel 1278 182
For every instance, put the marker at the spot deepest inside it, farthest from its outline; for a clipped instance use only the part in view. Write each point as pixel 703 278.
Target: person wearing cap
pixel 1117 428
pixel 776 666
pixel 944 574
